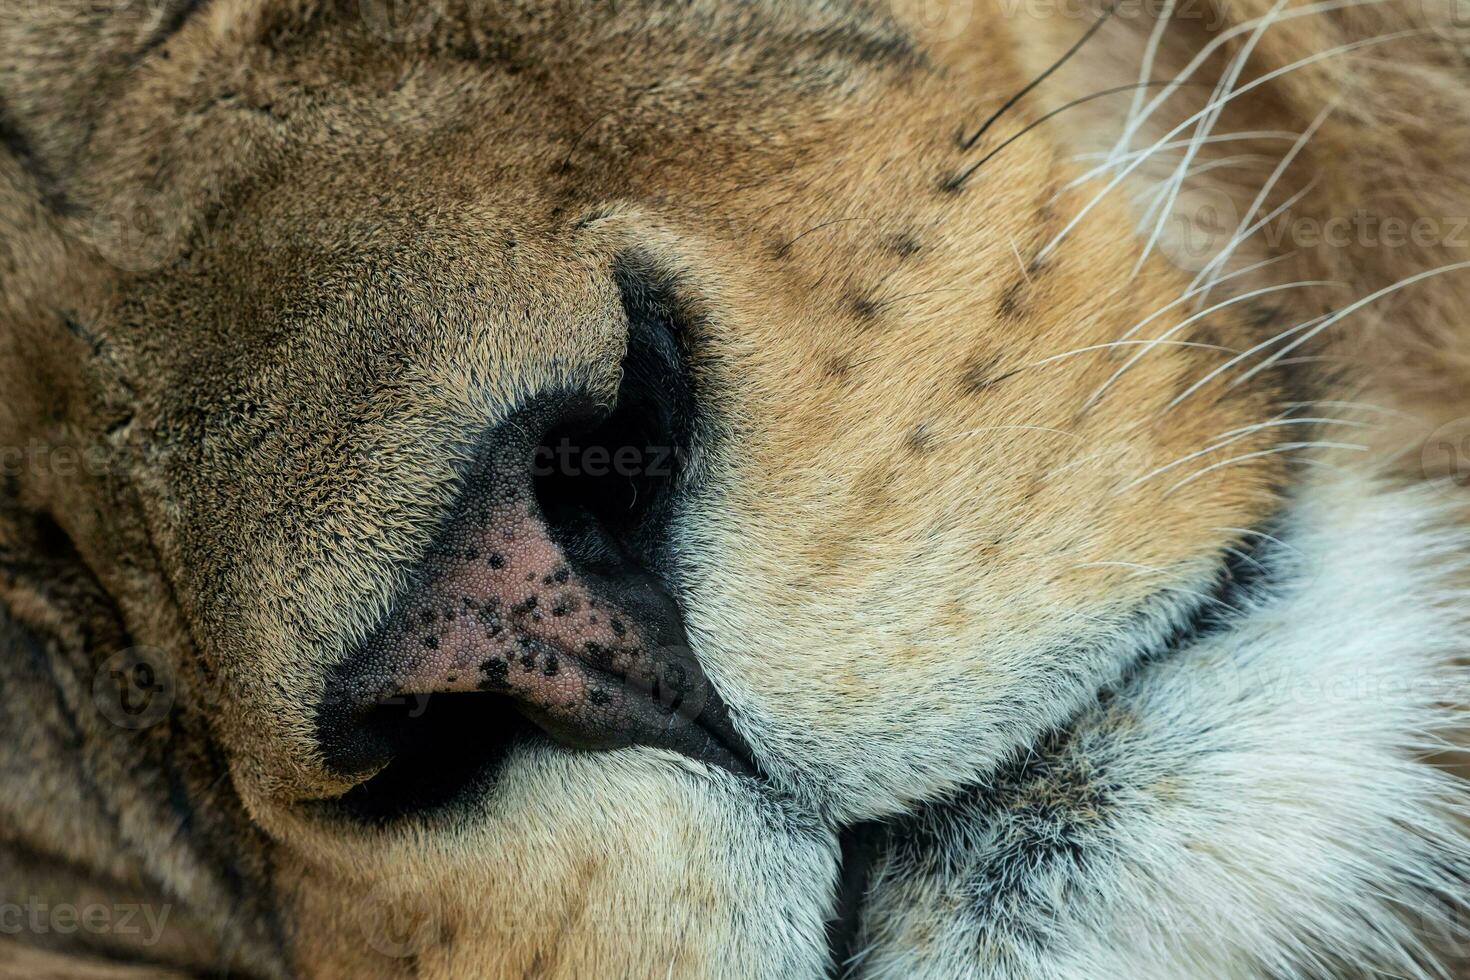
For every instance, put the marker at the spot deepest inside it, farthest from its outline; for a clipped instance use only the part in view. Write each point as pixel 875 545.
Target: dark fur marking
pixel 13 141
pixel 172 23
pixel 1012 302
pixel 76 328
pixel 861 846
pixel 980 373
pixel 838 368
pixel 1262 316
pixel 919 441
pixel 865 308
pixel 906 246
pixel 952 183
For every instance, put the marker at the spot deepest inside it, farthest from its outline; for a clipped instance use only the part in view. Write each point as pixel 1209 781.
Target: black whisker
pixel 781 252
pixel 566 163
pixel 1107 12
pixel 958 180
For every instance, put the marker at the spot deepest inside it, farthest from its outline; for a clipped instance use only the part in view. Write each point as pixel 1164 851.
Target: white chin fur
pixel 1256 805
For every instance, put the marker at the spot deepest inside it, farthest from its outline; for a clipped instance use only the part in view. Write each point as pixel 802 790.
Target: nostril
pixel 431 748
pixel 599 483
pixel 538 605
pixel 613 475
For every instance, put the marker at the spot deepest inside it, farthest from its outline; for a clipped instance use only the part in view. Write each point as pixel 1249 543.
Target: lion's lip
pixel 669 705
pixel 449 745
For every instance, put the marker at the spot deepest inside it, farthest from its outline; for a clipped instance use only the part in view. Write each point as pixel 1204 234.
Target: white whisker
pixel 1124 343
pixel 1241 234
pixel 1226 85
pixel 1260 134
pixel 1255 83
pixel 1225 37
pixel 1240 237
pixel 1367 406
pixel 1145 72
pixel 1285 447
pixel 1176 463
pixel 1276 423
pixel 1186 296
pixel 1238 359
pixel 1348 311
pixel 1164 337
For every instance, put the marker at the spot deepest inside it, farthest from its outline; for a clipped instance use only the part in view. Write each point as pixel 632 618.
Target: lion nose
pixel 536 607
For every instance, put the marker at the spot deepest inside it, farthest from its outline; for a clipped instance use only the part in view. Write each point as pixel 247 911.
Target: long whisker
pixel 1232 436
pixel 1125 343
pixel 1244 236
pixel 1206 125
pixel 1307 330
pixel 1239 358
pixel 1225 37
pixel 818 227
pixel 1178 462
pixel 1192 318
pixel 1102 19
pixel 1285 447
pixel 1146 68
pixel 1297 420
pixel 1189 294
pixel 1351 406
pixel 1241 232
pixel 1239 160
pixel 958 180
pixel 1111 161
pixel 1348 311
pixel 1253 84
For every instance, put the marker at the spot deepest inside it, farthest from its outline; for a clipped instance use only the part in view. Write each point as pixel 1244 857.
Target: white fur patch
pixel 1255 805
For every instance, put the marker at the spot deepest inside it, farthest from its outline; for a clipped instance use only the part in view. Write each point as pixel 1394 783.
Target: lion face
pixel 575 464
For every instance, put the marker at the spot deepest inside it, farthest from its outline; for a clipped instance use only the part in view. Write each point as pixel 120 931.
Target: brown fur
pixel 357 251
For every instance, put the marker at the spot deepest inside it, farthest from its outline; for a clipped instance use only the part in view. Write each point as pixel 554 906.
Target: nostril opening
pixel 439 747
pixel 611 476
pixel 606 477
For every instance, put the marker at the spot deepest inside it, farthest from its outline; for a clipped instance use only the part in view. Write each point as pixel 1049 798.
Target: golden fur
pixel 266 265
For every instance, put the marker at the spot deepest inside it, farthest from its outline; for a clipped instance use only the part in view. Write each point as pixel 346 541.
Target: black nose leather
pixel 538 603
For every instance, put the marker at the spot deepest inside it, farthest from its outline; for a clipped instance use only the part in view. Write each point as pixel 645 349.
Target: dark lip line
pixel 713 720
pixel 730 751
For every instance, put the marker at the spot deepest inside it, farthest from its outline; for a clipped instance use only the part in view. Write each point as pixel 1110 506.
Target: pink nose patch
pixel 596 662
pixel 508 615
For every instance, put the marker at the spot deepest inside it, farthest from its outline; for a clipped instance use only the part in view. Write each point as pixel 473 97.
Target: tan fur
pixel 358 251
